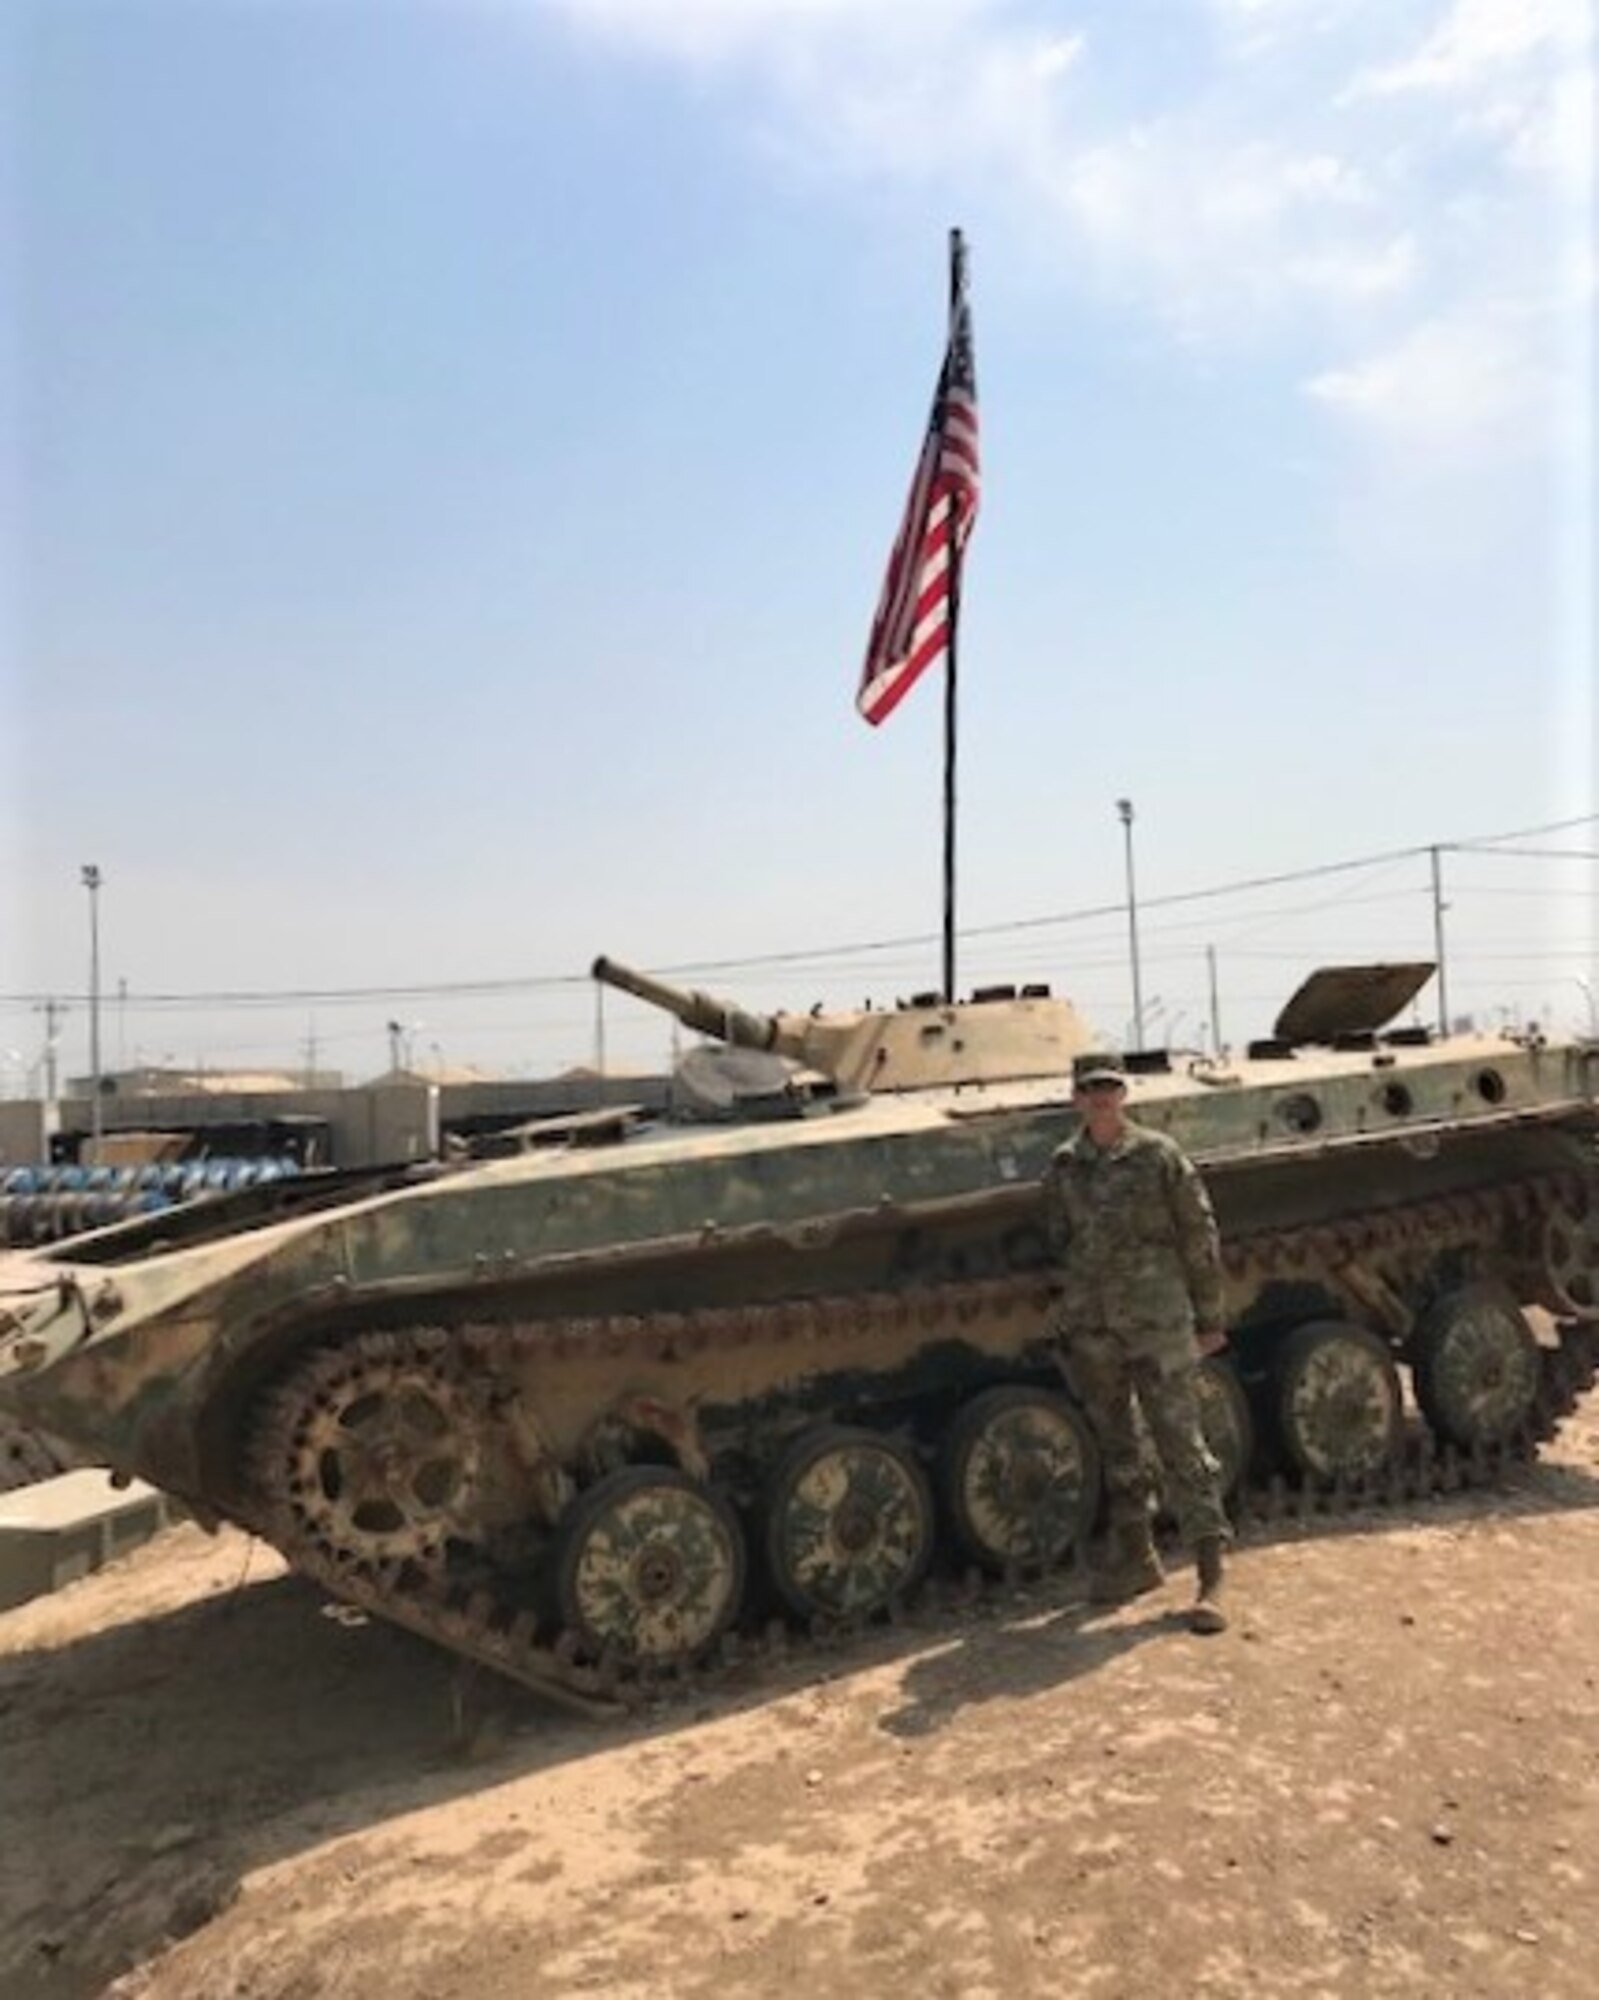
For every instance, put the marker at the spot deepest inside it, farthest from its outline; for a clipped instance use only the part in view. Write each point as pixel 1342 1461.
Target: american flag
pixel 916 611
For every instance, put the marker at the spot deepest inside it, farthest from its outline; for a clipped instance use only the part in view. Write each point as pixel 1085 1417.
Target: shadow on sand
pixel 151 1765
pixel 1031 1649
pixel 1019 1661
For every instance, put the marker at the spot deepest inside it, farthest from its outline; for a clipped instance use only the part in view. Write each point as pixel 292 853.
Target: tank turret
pixel 999 1036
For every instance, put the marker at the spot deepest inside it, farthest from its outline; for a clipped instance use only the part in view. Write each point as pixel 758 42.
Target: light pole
pixel 1124 812
pixel 90 876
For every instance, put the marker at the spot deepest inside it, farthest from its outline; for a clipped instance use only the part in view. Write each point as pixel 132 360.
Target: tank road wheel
pixel 649 1566
pixel 1224 1417
pixel 1338 1402
pixel 849 1523
pixel 374 1448
pixel 1477 1367
pixel 1570 1246
pixel 1020 1477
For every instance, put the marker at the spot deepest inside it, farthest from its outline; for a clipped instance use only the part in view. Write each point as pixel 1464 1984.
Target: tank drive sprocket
pixel 372 1450
pixel 1570 1244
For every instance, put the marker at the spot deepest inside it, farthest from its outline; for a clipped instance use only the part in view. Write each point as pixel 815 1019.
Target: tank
pixel 596 1413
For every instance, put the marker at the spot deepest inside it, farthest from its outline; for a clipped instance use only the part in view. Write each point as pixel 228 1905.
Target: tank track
pixel 502 1635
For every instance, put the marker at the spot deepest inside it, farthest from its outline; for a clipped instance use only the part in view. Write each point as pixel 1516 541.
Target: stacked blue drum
pixel 43 1204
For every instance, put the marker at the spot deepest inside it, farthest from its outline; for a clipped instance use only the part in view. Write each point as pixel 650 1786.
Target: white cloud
pixel 1471 378
pixel 705 32
pixel 1220 236
pixel 1054 58
pixel 1256 25
pixel 912 88
pixel 1551 131
pixel 1288 188
pixel 1476 40
pixel 1355 275
pixel 1518 78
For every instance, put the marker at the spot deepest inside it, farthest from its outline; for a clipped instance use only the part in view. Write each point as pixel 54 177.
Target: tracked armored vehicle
pixel 590 1413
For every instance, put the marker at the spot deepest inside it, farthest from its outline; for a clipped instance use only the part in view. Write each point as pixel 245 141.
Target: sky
pixel 451 453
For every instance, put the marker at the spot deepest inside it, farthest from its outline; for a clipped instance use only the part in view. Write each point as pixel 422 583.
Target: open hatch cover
pixel 1350 1000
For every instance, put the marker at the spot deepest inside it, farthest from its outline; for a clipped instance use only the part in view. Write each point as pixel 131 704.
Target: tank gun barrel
pixel 694 1009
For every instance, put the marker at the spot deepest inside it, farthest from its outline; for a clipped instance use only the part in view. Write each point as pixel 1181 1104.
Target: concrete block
pixel 61 1529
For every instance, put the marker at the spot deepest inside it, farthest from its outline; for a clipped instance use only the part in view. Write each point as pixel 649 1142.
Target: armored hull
pixel 588 1413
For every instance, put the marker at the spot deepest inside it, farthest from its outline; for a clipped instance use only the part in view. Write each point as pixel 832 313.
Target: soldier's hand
pixel 1212 1340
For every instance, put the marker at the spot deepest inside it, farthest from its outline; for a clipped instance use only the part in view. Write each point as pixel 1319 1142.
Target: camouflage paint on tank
pixel 850 1529
pixel 707 1298
pixel 655 1574
pixel 1025 1484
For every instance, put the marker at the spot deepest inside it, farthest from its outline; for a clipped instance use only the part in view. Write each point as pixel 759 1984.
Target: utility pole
pixel 90 877
pixel 1124 812
pixel 122 1023
pixel 1438 908
pixel 52 1010
pixel 1215 1004
pixel 599 1027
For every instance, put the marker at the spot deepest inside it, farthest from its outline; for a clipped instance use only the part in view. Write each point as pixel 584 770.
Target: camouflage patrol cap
pixel 1101 1066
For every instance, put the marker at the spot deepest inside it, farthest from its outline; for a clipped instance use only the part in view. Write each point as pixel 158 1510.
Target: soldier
pixel 1140 1272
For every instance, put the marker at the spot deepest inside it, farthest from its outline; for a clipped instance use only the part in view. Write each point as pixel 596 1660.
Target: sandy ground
pixel 1385 1779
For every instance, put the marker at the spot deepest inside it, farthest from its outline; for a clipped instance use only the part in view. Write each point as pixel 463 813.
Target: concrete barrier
pixel 61 1529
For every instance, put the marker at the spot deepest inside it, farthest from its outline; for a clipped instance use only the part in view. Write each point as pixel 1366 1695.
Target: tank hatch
pixel 1350 1000
pixel 713 1083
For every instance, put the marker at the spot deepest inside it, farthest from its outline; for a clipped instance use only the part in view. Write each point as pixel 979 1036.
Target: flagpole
pixel 957 282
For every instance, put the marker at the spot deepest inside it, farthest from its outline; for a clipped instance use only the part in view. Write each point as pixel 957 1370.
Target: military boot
pixel 1208 1614
pixel 1128 1568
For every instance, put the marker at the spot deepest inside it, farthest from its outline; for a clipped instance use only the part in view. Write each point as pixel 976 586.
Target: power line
pixel 818 954
pixel 1526 832
pixel 1536 853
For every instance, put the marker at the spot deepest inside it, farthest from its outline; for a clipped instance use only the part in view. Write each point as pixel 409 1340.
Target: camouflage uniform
pixel 1135 1239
